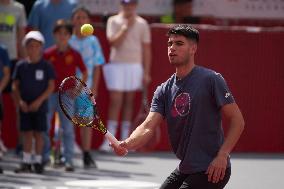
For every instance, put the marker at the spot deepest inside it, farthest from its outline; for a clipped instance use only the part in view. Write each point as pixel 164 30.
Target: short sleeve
pixel 80 62
pixel 221 91
pixel 50 71
pixel 4 57
pixel 16 74
pixel 33 20
pixel 22 17
pixel 158 101
pixel 99 56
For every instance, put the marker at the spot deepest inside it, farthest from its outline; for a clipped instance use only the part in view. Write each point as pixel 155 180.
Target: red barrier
pixel 251 61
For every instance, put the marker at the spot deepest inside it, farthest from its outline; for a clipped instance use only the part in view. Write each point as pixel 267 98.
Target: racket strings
pixel 77 103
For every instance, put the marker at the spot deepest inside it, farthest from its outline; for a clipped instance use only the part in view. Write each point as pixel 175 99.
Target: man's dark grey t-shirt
pixel 192 109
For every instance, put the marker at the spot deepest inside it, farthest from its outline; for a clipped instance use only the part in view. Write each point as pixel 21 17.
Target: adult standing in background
pixel 129 68
pixel 45 13
pixel 28 5
pixel 13 23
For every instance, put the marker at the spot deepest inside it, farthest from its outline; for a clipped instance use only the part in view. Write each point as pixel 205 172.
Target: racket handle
pixel 111 138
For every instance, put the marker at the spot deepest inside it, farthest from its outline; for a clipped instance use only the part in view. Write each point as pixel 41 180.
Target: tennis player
pixel 193 101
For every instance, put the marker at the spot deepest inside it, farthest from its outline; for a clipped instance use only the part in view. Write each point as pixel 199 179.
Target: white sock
pixel 125 128
pixel 38 158
pixel 27 157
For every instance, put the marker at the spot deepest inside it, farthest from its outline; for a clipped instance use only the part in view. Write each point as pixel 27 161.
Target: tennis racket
pixel 79 105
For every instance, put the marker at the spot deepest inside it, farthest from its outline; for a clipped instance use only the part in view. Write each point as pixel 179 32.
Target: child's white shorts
pixel 123 76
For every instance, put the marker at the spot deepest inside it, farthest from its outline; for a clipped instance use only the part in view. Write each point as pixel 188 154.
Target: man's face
pixel 129 9
pixel 180 49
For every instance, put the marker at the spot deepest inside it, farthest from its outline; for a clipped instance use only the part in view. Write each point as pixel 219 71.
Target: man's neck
pixel 184 70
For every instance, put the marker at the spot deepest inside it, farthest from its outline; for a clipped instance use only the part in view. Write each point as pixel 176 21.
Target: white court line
pixel 111 184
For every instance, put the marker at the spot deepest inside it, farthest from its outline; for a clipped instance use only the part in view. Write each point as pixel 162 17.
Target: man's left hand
pixel 217 168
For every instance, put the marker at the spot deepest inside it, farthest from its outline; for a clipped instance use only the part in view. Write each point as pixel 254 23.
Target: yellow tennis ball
pixel 87 29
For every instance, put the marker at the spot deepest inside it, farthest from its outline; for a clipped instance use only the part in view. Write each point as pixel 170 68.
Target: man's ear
pixel 193 47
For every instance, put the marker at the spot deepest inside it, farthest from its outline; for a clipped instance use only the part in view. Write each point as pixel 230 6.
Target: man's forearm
pixel 235 130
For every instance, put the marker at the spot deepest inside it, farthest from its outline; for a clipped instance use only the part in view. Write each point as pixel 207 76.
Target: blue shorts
pixel 33 121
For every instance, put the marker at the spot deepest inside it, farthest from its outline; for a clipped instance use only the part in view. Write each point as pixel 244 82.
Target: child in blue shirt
pixel 91 52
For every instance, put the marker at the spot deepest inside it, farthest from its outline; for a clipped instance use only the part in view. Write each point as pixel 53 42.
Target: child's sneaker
pixel 24 168
pixel 38 167
pixel 69 167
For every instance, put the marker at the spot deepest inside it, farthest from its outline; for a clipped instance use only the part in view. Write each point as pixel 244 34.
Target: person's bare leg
pixel 38 146
pixel 38 142
pixel 28 141
pixel 127 112
pixel 86 143
pixel 116 100
pixel 86 138
pixel 27 152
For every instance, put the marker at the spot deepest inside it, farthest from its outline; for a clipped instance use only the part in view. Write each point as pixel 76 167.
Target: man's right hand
pixel 120 149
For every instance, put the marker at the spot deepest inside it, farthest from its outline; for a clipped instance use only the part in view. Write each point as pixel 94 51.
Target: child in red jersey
pixel 66 61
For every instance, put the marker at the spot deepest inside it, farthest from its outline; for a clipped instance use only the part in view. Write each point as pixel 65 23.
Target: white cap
pixel 36 35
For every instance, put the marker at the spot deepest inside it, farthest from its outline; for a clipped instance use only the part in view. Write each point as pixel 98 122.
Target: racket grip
pixel 111 138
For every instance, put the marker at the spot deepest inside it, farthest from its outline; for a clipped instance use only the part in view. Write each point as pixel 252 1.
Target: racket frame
pixel 96 123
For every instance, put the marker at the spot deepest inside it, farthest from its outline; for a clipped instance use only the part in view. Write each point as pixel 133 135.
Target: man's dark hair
pixel 185 30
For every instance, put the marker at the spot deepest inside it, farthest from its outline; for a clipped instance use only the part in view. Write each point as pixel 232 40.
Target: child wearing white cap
pixel 33 81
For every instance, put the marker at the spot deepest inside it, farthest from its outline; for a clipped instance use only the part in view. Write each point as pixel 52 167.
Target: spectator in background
pixel 13 23
pixel 45 13
pixel 4 79
pixel 65 61
pixel 43 17
pixel 182 11
pixel 93 57
pixel 129 68
pixel 33 82
pixel 28 5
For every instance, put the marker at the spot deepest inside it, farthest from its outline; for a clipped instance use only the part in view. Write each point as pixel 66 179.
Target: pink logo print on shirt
pixel 181 105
